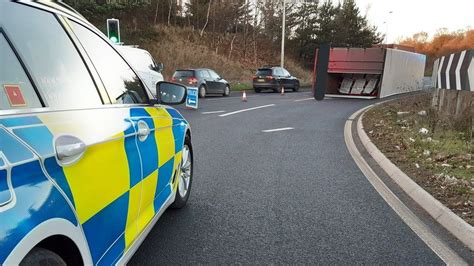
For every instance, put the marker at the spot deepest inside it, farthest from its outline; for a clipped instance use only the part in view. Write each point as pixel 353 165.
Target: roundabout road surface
pixel 277 185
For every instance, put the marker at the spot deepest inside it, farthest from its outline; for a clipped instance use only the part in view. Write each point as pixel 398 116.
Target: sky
pixel 412 16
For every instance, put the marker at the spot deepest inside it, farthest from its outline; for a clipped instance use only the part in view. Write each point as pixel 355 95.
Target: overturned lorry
pixel 372 72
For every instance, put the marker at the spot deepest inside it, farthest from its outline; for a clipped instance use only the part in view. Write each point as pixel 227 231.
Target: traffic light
pixel 113 30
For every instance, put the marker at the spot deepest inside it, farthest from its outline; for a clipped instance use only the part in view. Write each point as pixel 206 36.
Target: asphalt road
pixel 285 197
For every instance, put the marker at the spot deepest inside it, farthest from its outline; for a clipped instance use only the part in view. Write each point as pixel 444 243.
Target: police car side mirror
pixel 170 93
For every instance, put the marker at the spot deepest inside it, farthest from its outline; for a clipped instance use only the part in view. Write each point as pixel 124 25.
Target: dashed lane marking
pixel 305 99
pixel 212 112
pixel 246 110
pixel 277 129
pixel 311 98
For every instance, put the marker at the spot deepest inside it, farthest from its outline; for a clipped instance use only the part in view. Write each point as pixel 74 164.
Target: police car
pixel 89 159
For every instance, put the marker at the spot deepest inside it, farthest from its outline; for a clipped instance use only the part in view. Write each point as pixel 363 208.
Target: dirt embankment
pixel 438 153
pixel 179 47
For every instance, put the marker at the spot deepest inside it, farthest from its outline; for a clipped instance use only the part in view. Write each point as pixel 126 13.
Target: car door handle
pixel 143 130
pixel 69 149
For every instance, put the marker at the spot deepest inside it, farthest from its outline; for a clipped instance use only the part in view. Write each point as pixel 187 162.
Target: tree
pixel 325 23
pixel 353 29
pixel 306 28
pixel 442 43
pixel 207 17
pixel 131 12
pixel 196 10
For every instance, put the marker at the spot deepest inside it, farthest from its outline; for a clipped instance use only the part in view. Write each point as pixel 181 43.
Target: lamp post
pixel 282 56
pixel 387 24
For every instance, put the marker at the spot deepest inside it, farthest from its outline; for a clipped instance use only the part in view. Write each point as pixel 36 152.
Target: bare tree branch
pixel 169 12
pixel 207 18
pixel 232 45
pixel 156 12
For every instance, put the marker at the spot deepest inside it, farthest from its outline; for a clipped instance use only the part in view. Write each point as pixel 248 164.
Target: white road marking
pixel 305 99
pixel 212 112
pixel 277 129
pixel 245 110
pixel 312 98
pixel 229 97
pixel 421 229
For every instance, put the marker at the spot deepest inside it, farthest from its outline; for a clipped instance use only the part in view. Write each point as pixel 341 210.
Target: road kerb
pixel 443 215
pixel 424 233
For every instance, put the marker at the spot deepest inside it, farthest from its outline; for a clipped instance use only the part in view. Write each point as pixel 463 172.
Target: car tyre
pixel 257 90
pixel 41 256
pixel 226 91
pixel 202 91
pixel 277 90
pixel 184 176
pixel 297 87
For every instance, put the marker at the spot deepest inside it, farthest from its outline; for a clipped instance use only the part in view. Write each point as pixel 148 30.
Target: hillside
pixel 178 47
pixel 441 44
pixel 233 37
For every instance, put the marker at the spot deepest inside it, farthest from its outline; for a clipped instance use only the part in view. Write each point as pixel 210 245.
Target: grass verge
pixel 240 86
pixel 437 153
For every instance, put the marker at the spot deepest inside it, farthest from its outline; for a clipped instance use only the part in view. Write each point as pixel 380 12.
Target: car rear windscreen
pixel 183 74
pixel 264 72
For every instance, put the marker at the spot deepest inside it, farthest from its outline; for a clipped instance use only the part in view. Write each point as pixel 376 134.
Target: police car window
pixel 50 57
pixel 121 83
pixel 16 91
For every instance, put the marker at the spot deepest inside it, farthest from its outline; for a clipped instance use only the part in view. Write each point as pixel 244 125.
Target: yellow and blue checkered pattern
pixel 120 183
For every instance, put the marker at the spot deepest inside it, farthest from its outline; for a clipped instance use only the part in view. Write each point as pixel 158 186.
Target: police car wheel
pixel 41 256
pixel 202 91
pixel 185 176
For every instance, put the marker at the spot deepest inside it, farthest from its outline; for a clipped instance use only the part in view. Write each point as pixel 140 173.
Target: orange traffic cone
pixel 244 96
pixel 282 91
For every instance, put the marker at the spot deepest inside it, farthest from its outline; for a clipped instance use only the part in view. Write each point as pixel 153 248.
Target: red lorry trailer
pixel 372 72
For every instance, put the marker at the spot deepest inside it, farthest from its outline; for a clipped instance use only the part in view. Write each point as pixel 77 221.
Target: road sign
pixel 192 98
